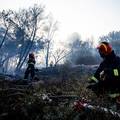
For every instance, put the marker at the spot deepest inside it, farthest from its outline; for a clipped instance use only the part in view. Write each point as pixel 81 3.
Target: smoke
pixel 82 51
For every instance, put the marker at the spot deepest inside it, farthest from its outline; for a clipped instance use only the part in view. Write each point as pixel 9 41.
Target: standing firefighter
pixel 31 67
pixel 107 76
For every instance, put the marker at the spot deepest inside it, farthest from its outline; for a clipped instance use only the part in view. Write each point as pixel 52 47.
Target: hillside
pixel 50 99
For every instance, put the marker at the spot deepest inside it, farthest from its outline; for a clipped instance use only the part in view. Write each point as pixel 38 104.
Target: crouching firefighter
pixel 107 76
pixel 31 67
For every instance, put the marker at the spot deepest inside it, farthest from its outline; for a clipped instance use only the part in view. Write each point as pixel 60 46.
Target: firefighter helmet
pixel 31 55
pixel 105 48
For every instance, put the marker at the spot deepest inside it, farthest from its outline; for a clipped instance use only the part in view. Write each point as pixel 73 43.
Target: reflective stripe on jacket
pixel 31 63
pixel 116 72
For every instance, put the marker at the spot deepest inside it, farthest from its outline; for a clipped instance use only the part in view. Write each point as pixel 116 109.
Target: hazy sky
pixel 87 17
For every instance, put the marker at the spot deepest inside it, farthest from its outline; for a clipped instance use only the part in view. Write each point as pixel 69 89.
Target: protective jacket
pixel 30 69
pixel 110 65
pixel 108 73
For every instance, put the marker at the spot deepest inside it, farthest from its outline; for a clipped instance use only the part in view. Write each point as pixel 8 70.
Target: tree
pixel 5 35
pixel 49 31
pixel 23 34
pixel 82 52
pixel 5 24
pixel 31 20
pixel 59 55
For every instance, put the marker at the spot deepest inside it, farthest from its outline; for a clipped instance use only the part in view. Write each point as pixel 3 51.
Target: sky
pixel 90 18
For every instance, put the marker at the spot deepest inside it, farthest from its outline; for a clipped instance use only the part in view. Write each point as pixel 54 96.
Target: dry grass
pixel 30 105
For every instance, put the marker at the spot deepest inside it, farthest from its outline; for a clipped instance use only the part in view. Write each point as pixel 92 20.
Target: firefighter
pixel 31 67
pixel 107 76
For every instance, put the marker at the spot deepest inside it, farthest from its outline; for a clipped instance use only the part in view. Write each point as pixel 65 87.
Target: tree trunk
pixel 47 56
pixel 4 38
pixel 28 50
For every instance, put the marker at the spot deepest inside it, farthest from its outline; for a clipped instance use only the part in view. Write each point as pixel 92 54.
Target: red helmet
pixel 105 48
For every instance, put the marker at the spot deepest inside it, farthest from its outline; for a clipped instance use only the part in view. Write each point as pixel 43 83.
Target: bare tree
pixel 50 29
pixel 59 55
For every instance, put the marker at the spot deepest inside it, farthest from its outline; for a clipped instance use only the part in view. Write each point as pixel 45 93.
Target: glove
pixel 79 106
pixel 103 75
